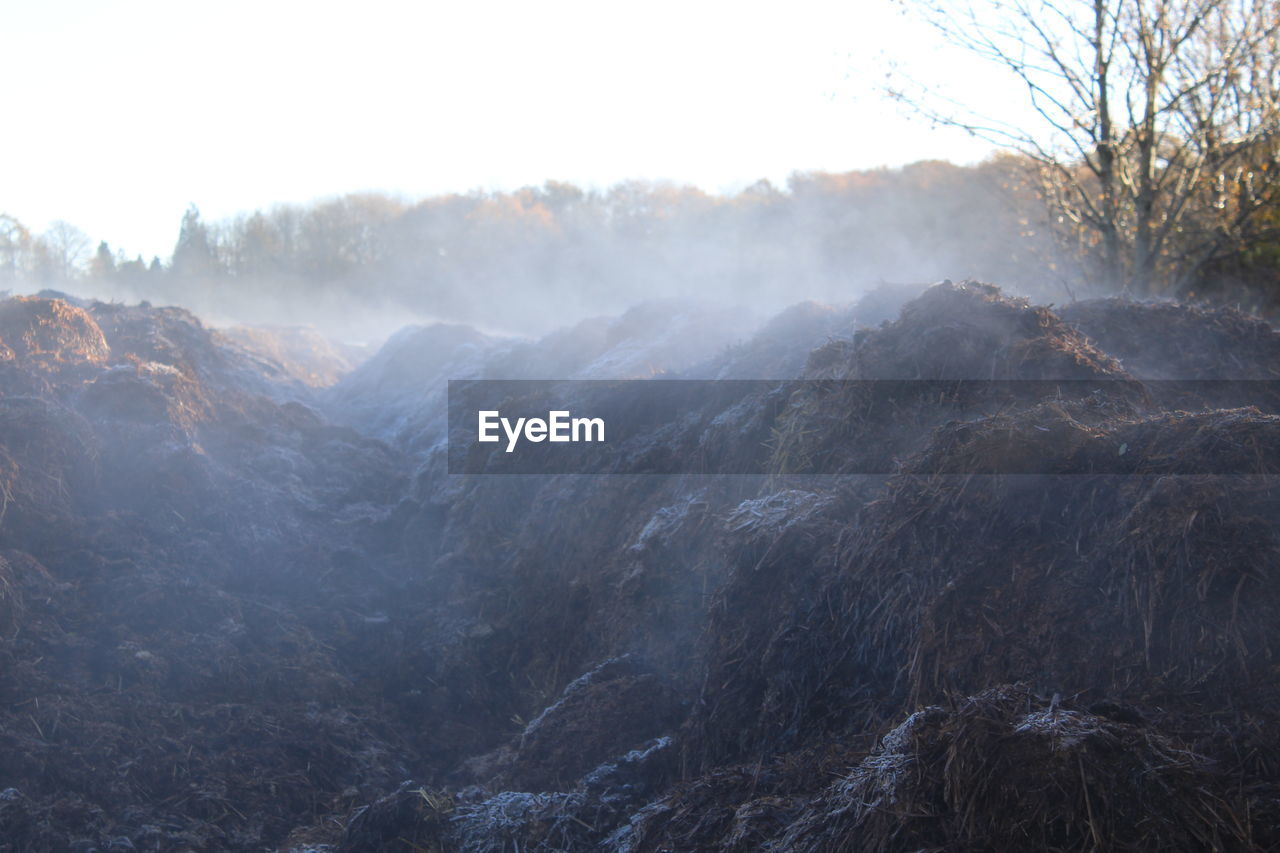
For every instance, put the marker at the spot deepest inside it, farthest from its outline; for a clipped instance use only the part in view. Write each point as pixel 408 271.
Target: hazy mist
pixel 360 266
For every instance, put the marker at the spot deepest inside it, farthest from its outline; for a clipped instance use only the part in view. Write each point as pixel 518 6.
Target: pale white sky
pixel 119 113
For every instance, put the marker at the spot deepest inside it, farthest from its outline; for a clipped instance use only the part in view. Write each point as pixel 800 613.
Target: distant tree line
pixel 537 257
pixel 59 255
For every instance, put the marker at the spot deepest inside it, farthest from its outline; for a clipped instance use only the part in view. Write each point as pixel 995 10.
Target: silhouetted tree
pixel 193 256
pixel 103 263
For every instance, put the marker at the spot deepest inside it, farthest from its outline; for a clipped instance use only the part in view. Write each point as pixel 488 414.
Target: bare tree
pixel 15 246
pixel 63 248
pixel 1155 137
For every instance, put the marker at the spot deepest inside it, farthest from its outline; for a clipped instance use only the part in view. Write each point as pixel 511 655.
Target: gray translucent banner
pixel 725 427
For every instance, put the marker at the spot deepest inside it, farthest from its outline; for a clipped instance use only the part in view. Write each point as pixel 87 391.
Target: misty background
pixel 520 169
pixel 359 266
pixel 510 167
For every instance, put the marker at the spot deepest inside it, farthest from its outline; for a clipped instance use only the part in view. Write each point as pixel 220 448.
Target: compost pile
pixel 228 622
pixel 172 675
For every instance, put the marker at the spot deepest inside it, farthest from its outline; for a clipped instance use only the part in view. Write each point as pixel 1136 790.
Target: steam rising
pixel 525 262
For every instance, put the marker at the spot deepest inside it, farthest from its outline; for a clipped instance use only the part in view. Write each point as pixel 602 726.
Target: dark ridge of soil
pixel 1168 340
pixel 966 331
pixel 228 624
pixel 179 660
pixel 1007 769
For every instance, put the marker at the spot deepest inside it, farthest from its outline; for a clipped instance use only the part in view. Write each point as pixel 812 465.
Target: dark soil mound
pixel 969 330
pixel 1107 550
pixel 1009 770
pixel 1168 340
pixel 603 714
pixel 227 624
pixel 872 410
pixel 1165 598
pixel 173 672
pixel 1150 588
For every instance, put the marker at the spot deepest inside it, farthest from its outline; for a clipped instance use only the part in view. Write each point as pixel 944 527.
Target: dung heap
pixel 243 611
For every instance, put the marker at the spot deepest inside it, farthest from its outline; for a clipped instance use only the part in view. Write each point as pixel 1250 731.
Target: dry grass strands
pixel 1009 770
